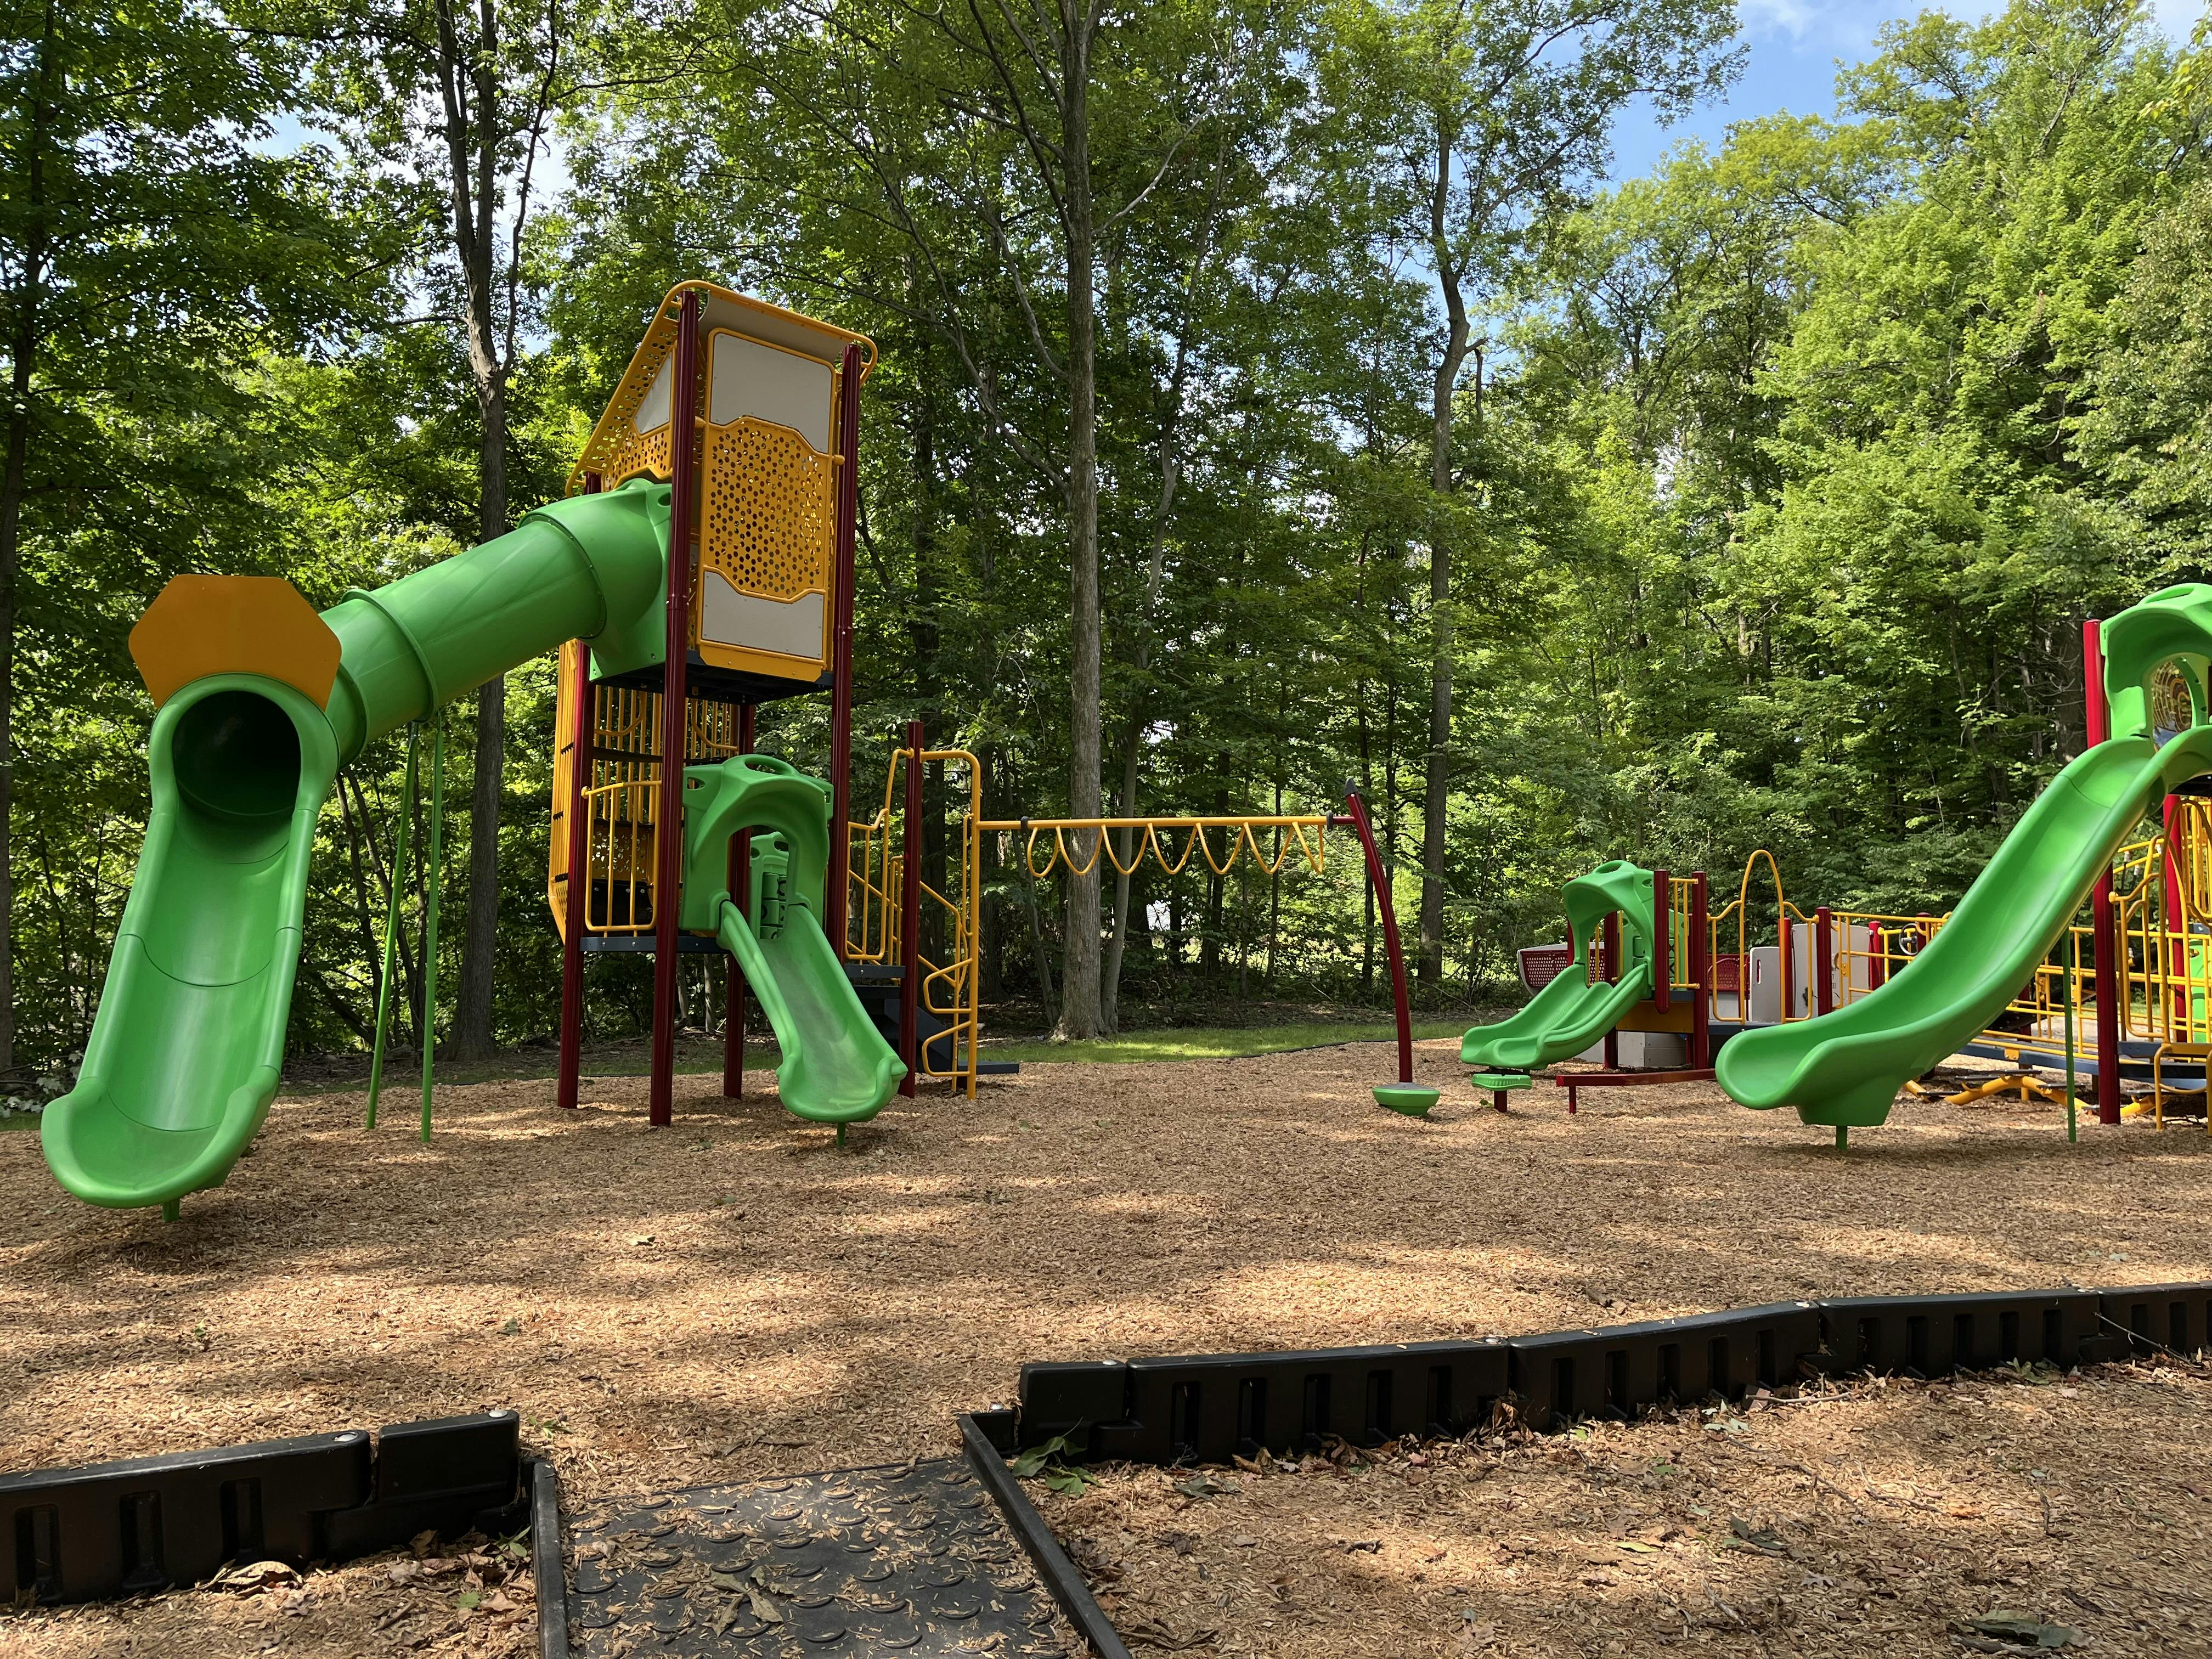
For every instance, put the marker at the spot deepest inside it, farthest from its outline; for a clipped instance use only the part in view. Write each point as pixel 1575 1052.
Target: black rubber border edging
pixel 549 1571
pixel 141 1524
pixel 1059 1575
pixel 1203 1407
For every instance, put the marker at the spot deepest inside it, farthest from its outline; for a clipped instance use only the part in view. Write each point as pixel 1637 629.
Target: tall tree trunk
pixel 1209 949
pixel 1366 793
pixel 924 636
pixel 989 910
pixel 466 77
pixel 1109 980
pixel 1109 984
pixel 471 1036
pixel 1275 888
pixel 23 347
pixel 1170 461
pixel 1078 1015
pixel 1437 791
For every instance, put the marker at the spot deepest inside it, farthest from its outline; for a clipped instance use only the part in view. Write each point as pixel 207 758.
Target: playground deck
pixel 733 1299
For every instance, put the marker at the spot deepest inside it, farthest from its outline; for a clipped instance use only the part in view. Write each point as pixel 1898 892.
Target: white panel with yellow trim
pixel 766 537
pixel 767 508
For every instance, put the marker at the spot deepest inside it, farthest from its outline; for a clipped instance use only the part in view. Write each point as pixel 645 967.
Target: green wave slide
pixel 1570 1013
pixel 1845 1069
pixel 835 1066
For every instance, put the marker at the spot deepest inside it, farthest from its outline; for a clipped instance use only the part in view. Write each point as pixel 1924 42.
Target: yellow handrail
pixel 950 990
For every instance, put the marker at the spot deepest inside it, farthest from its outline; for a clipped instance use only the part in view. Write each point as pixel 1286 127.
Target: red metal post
pixel 910 913
pixel 1662 941
pixel 1824 960
pixel 840 649
pixel 1609 967
pixel 2175 920
pixel 2102 921
pixel 1781 928
pixel 582 731
pixel 734 980
pixel 1701 975
pixel 1358 818
pixel 668 819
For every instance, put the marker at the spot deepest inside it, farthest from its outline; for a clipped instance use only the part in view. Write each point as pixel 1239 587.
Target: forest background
pixel 1273 392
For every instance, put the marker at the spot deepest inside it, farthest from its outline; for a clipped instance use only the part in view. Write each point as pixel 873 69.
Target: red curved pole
pixel 1356 817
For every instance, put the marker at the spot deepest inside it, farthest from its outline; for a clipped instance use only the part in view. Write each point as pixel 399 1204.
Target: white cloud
pixel 1802 23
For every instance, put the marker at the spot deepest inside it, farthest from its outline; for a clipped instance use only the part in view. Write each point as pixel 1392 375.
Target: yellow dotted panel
pixel 636 456
pixel 616 451
pixel 766 511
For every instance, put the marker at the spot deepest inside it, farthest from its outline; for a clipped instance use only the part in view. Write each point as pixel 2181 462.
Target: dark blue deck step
pixel 878 985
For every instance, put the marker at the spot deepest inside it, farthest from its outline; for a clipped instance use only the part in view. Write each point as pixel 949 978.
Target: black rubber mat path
pixel 913 1561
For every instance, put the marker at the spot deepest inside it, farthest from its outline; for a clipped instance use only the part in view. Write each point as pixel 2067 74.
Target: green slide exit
pixel 187 1042
pixel 1845 1069
pixel 1571 1013
pixel 835 1066
pixel 177 1078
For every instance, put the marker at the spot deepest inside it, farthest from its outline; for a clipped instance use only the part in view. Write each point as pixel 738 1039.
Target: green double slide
pixel 1571 1013
pixel 186 1046
pixel 835 1066
pixel 1845 1069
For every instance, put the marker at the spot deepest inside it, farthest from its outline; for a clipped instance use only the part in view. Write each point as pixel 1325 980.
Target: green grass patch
pixel 1211 1043
pixel 693 1057
pixel 24 1121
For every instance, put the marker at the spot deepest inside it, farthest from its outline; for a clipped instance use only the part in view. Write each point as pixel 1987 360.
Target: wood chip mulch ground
pixel 736 1297
pixel 1988 1515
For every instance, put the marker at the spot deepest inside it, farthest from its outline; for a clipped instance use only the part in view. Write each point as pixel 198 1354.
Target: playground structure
pixel 684 584
pixel 687 583
pixel 1862 1002
pixel 667 642
pixel 942 1009
pixel 1761 941
pixel 770 616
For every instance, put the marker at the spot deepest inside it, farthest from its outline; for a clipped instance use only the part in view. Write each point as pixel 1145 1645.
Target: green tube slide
pixel 1845 1069
pixel 186 1045
pixel 1571 1013
pixel 835 1066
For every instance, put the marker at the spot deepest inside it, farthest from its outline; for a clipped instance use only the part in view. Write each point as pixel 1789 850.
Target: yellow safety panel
pixel 770 396
pixel 766 523
pixel 203 625
pixel 767 548
pixel 618 449
pixel 621 798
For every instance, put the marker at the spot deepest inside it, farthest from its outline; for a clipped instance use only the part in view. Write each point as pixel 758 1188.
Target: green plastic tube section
pixel 592 567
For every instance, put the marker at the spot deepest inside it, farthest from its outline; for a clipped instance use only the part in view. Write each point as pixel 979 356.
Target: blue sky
pixel 1794 48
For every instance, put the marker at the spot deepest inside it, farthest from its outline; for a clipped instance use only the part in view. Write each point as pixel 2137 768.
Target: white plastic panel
pixel 1766 977
pixel 791 628
pixel 653 408
pixel 745 379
